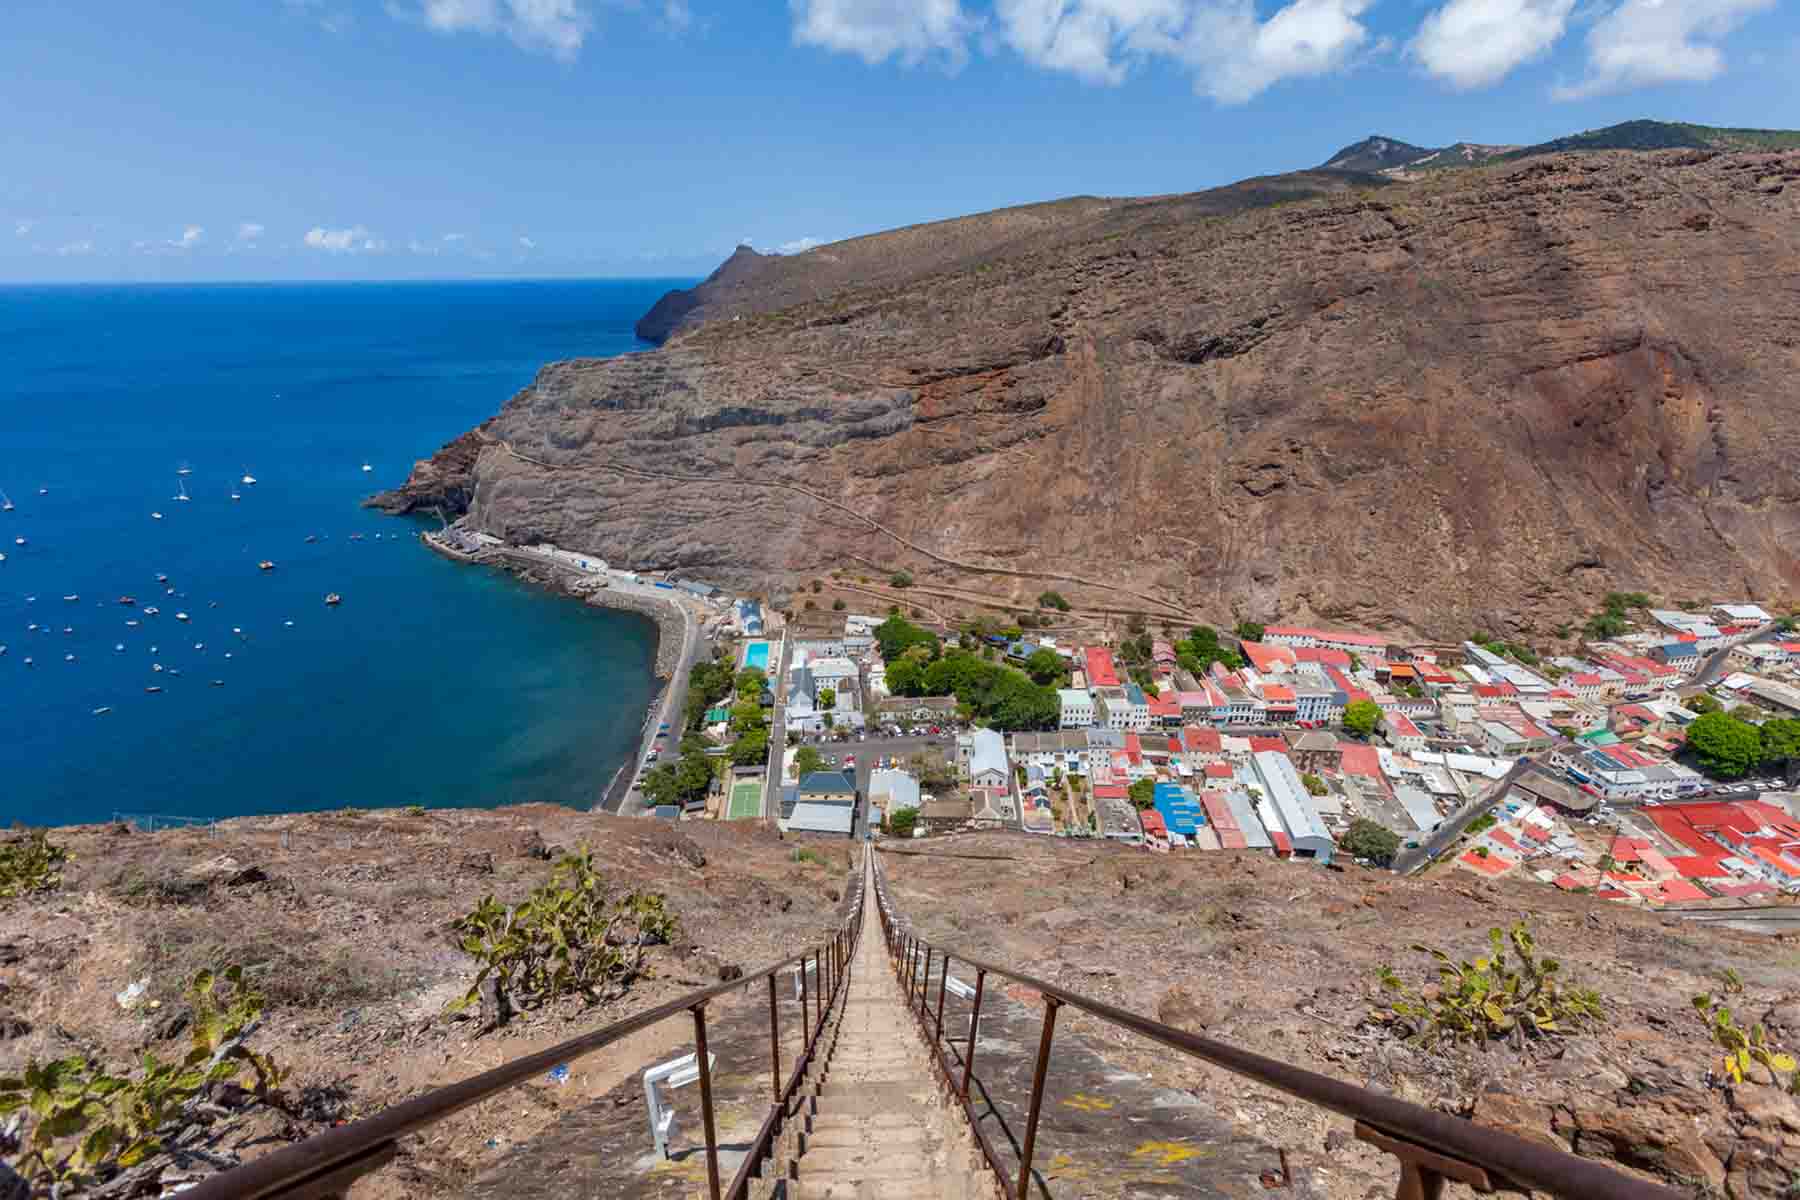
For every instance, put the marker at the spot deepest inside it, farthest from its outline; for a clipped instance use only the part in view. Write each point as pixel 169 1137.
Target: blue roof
pixel 1679 649
pixel 829 782
pixel 1179 808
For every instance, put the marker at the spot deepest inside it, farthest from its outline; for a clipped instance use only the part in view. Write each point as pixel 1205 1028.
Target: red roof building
pixel 1223 820
pixel 1218 770
pixel 1491 864
pixel 1100 669
pixel 1270 660
pixel 1357 759
pixel 1272 744
pixel 1198 739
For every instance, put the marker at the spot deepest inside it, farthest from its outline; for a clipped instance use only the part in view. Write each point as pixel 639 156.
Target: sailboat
pixel 184 469
pixel 248 480
pixel 6 504
pixel 181 491
pixel 367 467
pixel 234 493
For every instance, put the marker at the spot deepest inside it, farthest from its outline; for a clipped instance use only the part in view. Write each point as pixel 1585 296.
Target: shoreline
pixel 667 617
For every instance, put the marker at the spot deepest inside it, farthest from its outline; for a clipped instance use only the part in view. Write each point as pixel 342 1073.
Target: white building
pixel 1077 708
pixel 1292 807
pixel 987 759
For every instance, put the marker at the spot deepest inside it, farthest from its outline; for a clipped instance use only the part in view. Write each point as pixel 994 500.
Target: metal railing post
pixel 706 1101
pixel 775 1039
pixel 943 983
pixel 1051 1004
pixel 805 1013
pixel 924 984
pixel 974 1021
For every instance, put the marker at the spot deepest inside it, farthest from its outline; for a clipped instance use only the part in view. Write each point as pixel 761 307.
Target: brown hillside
pixel 1476 400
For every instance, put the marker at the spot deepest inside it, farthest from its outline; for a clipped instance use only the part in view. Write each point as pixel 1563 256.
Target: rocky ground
pixel 340 920
pixel 1282 959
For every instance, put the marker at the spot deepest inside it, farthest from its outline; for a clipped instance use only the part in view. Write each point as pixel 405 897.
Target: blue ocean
pixel 430 683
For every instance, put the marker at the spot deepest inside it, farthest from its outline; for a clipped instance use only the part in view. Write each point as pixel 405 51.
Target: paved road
pixel 777 733
pixel 1714 666
pixel 624 798
pixel 1408 861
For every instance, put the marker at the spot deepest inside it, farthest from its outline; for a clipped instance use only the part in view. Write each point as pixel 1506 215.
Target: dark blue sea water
pixel 432 683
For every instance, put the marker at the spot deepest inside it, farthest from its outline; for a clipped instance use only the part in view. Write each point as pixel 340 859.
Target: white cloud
pixel 527 244
pixel 556 27
pixel 455 237
pixel 343 241
pixel 73 248
pixel 418 247
pixel 799 245
pixel 876 30
pixel 677 17
pixel 191 236
pixel 1231 53
pixel 1645 42
pixel 249 232
pixel 22 228
pixel 1477 43
pixel 327 16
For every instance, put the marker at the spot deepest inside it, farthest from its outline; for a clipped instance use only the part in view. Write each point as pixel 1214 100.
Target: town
pixel 1652 764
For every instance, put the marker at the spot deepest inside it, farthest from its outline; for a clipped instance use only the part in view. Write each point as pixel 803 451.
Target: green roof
pixel 715 715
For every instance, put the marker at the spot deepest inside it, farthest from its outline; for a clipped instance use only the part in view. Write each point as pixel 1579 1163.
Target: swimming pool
pixel 756 654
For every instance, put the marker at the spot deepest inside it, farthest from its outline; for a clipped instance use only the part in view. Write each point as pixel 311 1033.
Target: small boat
pixel 181 616
pixel 311 538
pixel 157 667
pixel 2 558
pixel 367 467
pixel 199 645
pixel 127 601
pixel 289 624
pixel 153 649
pixel 356 537
pixel 132 624
pixel 265 565
pixel 173 671
pixel 72 598
pixel 184 469
pixel 103 710
pixel 18 541
pixel 118 647
pixel 6 504
pixel 156 516
pixel 234 494
pixel 248 480
pixel 228 654
pixel 69 630
pixel 332 600
pixel 162 578
pixel 68 658
pixel 43 491
pixel 237 630
pixel 31 628
pixel 28 660
pixel 181 491
pixel 153 690
pixel 150 610
pixel 218 683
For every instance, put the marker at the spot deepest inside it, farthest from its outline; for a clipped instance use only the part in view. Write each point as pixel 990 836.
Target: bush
pixel 806 761
pixel 1249 631
pixel 902 823
pixel 1053 600
pixel 1313 784
pixel 838 605
pixel 82 1125
pixel 30 864
pixel 808 856
pixel 901 579
pixel 571 936
pixel 1743 1046
pixel 1492 997
pixel 1483 823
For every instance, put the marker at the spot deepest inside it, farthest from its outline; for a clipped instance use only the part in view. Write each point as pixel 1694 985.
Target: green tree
pixel 1044 666
pixel 901 579
pixel 750 749
pixel 838 605
pixel 827 699
pixel 900 824
pixel 747 715
pixel 806 761
pixel 1725 746
pixel 659 786
pixel 694 774
pixel 1361 716
pixel 1780 740
pixel 1053 600
pixel 1366 839
pixel 1143 794
pixel 750 682
pixel 897 635
pixel 1703 704
pixel 1249 631
pixel 906 678
pixel 1314 785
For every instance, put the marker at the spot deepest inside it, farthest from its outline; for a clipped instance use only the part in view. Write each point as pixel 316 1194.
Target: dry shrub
pixel 287 963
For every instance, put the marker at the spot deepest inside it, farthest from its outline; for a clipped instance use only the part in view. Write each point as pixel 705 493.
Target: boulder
pixel 1652 1137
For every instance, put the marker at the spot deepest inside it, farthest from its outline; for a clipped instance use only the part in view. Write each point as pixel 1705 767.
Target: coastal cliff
pixel 1477 399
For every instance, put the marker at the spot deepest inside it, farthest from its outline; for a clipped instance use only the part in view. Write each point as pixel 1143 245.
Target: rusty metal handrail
pixel 1430 1145
pixel 327 1164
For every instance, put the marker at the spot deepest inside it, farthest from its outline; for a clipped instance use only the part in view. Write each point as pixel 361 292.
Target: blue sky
pixel 283 139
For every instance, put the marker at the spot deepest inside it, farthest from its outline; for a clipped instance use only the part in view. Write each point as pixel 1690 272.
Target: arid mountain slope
pixel 1477 399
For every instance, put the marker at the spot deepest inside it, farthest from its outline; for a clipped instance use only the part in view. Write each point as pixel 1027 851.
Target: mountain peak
pixel 1376 152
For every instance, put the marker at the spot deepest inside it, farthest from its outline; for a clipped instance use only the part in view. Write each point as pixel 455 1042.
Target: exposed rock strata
pixel 1478 400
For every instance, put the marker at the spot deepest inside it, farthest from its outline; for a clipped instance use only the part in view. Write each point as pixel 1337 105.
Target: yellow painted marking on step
pixel 1087 1103
pixel 1167 1154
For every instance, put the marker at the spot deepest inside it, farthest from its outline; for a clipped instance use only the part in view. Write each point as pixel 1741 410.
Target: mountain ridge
pixel 1476 399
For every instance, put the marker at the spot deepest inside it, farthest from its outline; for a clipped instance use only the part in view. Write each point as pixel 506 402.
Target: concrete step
pixel 892 1134
pixel 919 1187
pixel 870 1160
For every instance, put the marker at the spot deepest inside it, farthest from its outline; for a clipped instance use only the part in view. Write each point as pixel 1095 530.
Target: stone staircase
pixel 875 1124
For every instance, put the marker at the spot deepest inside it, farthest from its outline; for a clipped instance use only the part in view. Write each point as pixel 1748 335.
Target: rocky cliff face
pixel 1478 399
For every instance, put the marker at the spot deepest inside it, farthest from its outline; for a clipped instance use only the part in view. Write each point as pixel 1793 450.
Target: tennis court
pixel 746 800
